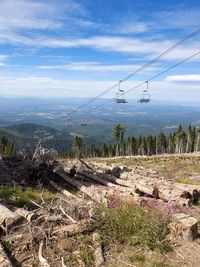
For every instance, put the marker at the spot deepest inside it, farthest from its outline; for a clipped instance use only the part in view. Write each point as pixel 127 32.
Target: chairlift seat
pixel 121 100
pixel 145 98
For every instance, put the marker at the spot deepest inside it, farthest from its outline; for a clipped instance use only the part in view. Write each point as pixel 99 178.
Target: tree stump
pixel 183 226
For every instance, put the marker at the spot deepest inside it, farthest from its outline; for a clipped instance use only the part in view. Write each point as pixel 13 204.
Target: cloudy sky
pixel 67 48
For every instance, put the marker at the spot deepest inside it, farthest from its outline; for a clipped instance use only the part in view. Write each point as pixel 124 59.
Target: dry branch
pixel 69 217
pixel 82 226
pixel 62 261
pixel 98 253
pixel 42 260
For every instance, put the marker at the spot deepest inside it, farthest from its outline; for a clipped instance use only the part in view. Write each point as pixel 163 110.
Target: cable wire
pixel 154 77
pixel 138 70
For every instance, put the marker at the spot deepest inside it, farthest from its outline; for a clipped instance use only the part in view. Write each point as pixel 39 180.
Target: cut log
pixel 93 195
pixel 183 226
pixel 98 253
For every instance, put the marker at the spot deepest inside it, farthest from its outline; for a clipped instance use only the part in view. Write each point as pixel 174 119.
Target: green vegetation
pixel 20 196
pixel 135 225
pixel 8 246
pixel 6 147
pixel 76 145
pixel 86 251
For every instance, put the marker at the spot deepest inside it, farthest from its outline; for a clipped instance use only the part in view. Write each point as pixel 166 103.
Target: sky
pixel 79 48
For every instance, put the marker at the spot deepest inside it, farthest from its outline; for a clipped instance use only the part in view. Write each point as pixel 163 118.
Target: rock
pixel 183 226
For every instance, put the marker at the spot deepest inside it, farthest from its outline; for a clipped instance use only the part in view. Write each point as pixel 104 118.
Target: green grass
pixel 21 197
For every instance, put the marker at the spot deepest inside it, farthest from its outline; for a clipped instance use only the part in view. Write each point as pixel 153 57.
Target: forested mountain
pixel 180 141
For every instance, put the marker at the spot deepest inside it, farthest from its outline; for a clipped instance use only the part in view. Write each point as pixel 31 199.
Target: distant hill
pixel 26 135
pixel 20 118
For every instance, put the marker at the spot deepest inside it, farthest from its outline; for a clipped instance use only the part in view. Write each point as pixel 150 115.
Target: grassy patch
pixel 186 180
pixel 137 258
pixel 20 196
pixel 171 167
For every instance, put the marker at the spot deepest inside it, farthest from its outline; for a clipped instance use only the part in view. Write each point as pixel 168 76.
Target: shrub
pixel 135 225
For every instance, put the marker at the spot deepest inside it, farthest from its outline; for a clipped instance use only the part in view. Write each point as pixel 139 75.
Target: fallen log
pixel 115 180
pixel 61 190
pixel 93 195
pixel 8 217
pixel 98 253
pixel 105 182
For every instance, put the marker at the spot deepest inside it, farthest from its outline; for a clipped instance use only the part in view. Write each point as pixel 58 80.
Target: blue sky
pixel 67 48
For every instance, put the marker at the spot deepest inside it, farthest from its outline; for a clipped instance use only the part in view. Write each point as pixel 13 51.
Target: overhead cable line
pixel 154 77
pixel 138 70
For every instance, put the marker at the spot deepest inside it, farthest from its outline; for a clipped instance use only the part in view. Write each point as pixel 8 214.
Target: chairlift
pixel 83 123
pixel 145 98
pixel 120 96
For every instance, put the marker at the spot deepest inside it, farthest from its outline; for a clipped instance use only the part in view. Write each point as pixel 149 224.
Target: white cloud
pixel 105 43
pixel 95 67
pixel 35 14
pixel 183 78
pixel 149 49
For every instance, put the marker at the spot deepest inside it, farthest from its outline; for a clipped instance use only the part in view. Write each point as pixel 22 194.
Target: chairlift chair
pixel 145 98
pixel 120 96
pixel 83 123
